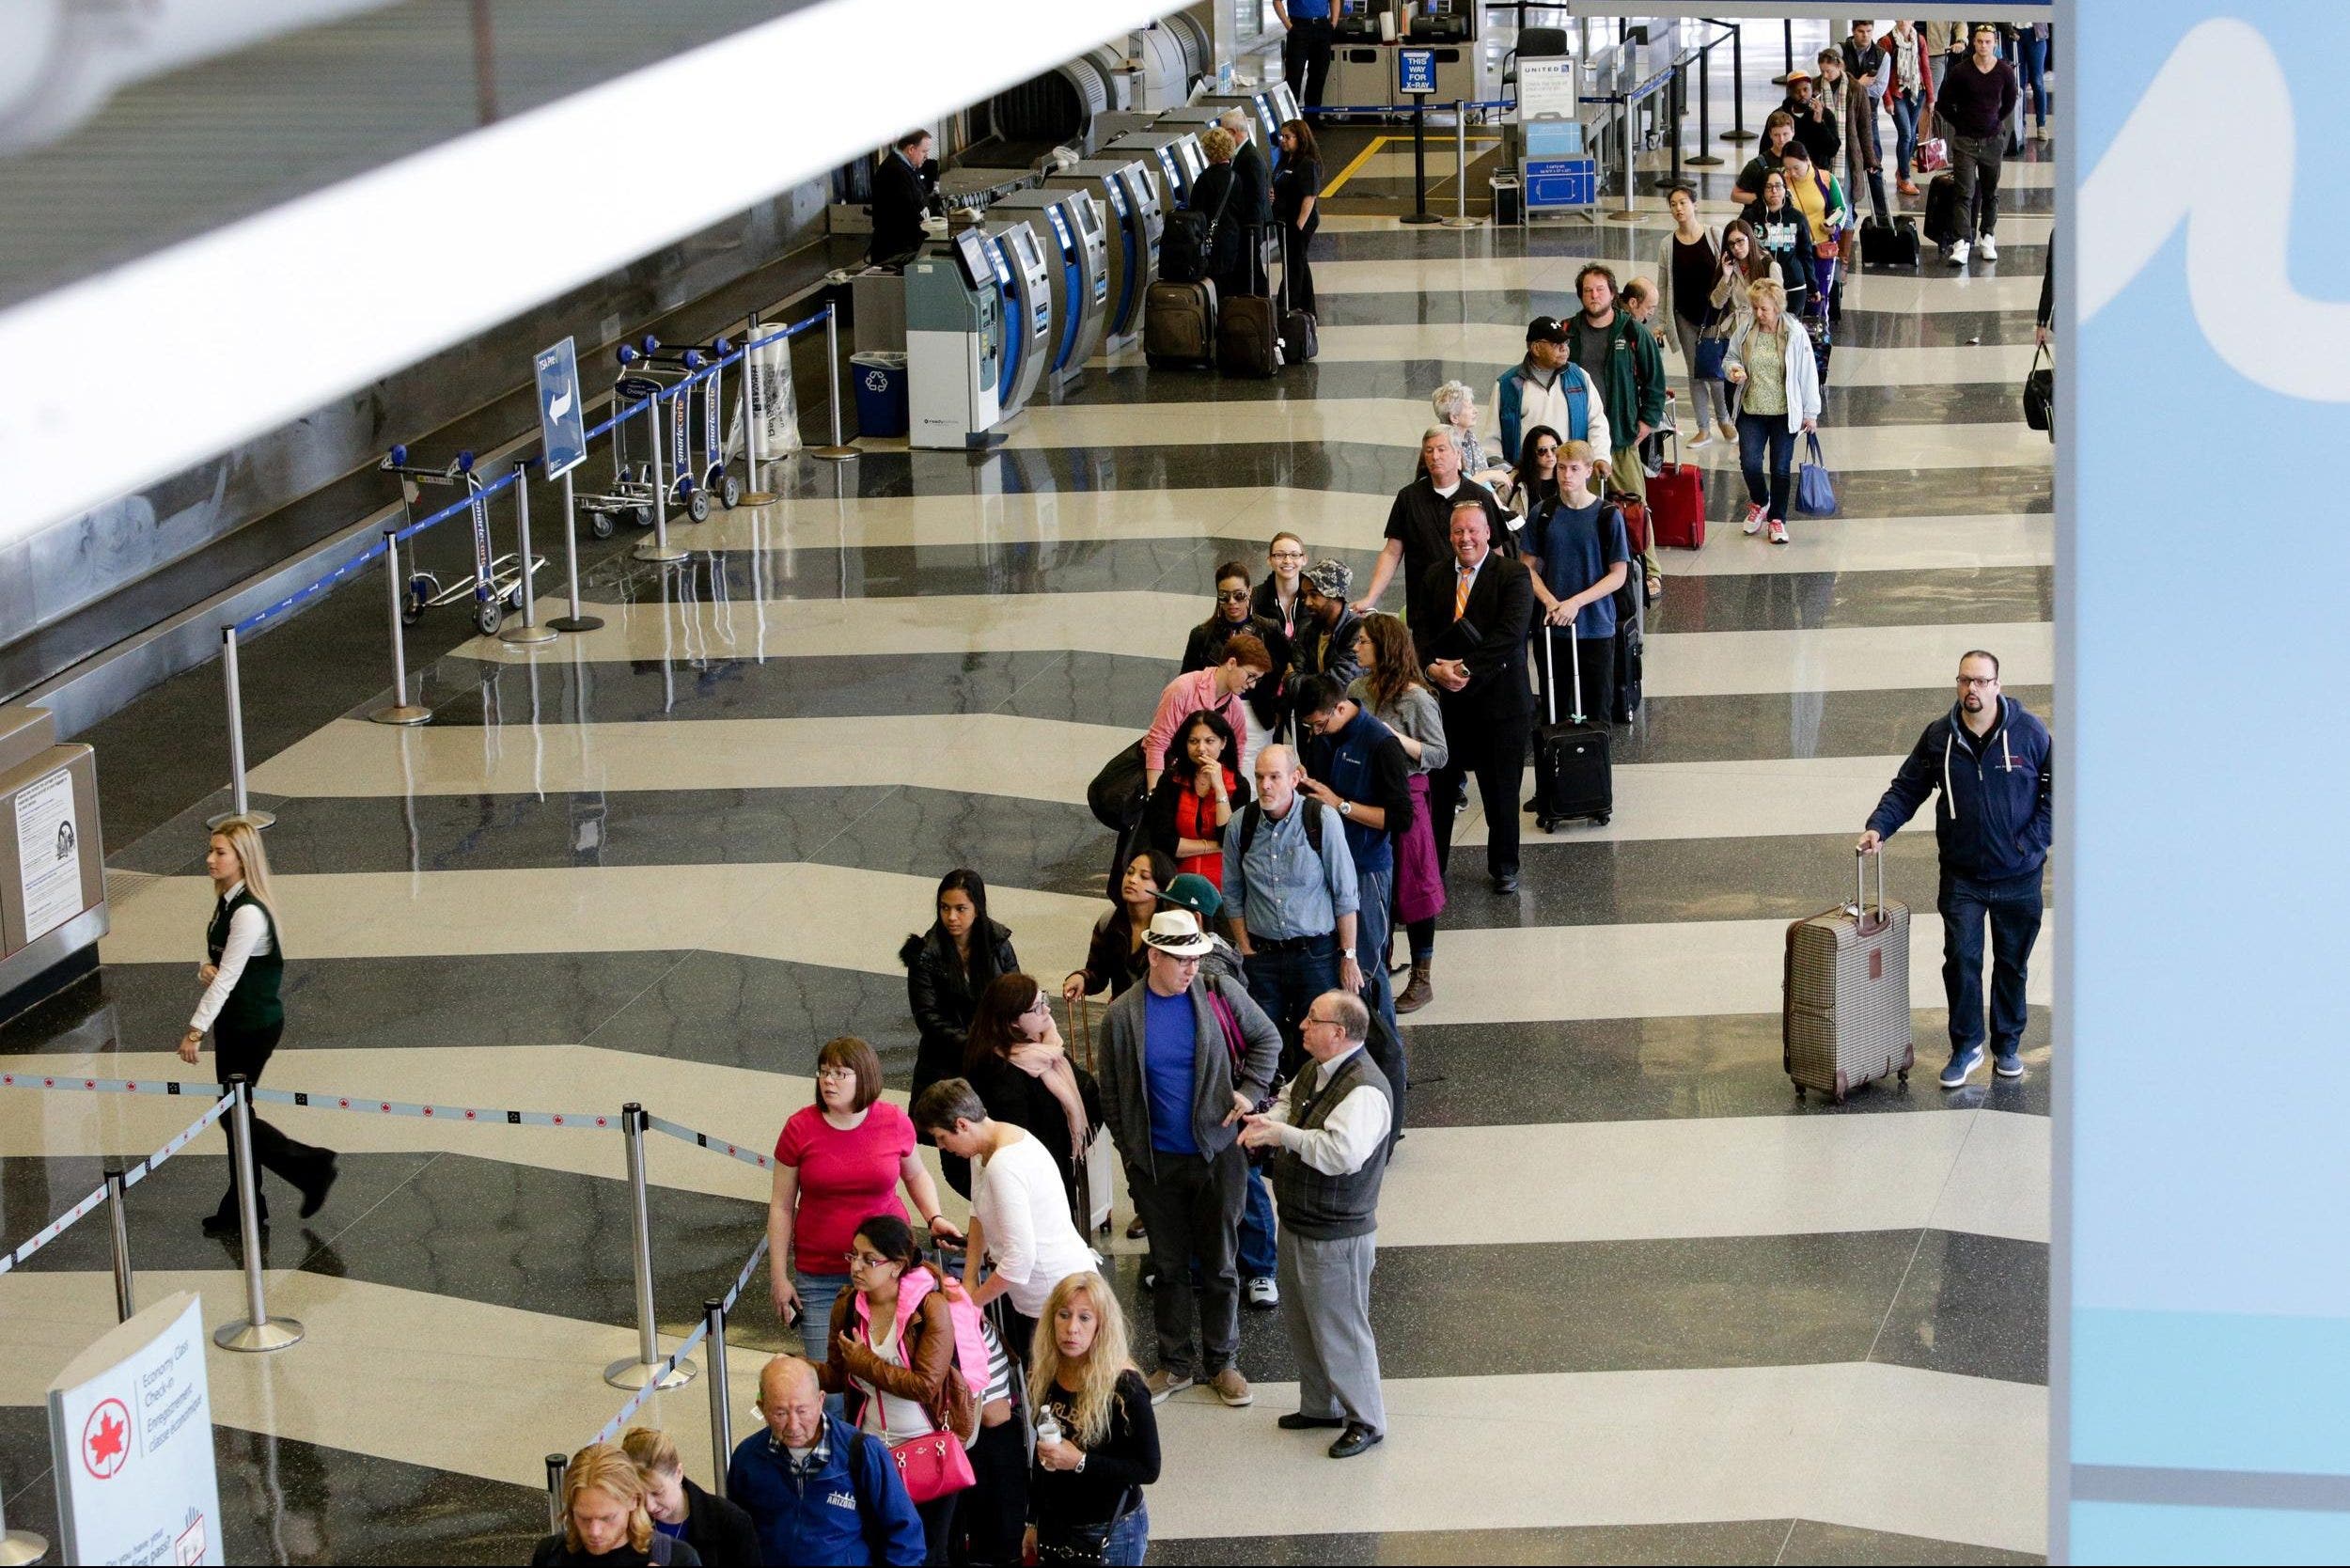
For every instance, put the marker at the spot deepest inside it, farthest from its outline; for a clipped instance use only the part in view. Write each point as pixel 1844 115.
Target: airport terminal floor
pixel 1634 1301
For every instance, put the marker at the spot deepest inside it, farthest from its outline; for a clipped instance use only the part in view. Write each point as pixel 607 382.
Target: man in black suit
pixel 1252 194
pixel 902 187
pixel 1472 640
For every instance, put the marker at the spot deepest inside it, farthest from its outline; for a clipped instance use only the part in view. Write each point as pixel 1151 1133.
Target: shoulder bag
pixel 2040 394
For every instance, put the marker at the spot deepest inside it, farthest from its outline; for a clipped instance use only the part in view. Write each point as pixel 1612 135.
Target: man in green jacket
pixel 1623 361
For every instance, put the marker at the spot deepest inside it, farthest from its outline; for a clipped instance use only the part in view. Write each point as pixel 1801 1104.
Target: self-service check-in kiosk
pixel 1130 195
pixel 1362 74
pixel 954 341
pixel 1257 106
pixel 1077 272
pixel 1027 287
pixel 1177 151
pixel 1283 103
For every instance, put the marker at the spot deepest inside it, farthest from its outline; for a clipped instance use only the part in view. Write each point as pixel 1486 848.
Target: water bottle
pixel 1047 1426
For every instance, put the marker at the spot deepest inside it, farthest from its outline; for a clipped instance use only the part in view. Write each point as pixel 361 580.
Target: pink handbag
pixel 1934 155
pixel 933 1466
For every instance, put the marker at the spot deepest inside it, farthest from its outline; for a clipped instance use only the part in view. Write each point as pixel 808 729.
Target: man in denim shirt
pixel 1359 771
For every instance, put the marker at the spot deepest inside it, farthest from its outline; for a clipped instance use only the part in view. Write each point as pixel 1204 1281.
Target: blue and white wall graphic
pixel 2201 1381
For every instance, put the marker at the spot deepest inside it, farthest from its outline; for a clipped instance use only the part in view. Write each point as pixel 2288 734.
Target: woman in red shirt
pixel 839 1162
pixel 1198 796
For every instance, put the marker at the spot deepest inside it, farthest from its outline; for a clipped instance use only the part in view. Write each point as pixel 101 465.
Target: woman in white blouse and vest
pixel 240 1007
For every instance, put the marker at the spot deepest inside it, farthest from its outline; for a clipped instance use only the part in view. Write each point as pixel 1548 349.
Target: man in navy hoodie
pixel 819 1490
pixel 1995 764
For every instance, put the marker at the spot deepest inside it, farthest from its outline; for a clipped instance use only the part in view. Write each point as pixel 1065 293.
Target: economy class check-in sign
pixel 131 1436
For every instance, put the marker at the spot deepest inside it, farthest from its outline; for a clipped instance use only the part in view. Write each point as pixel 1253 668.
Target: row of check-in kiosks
pixel 1026 295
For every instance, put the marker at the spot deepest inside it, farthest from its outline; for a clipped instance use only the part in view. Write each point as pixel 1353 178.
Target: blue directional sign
pixel 1415 71
pixel 562 421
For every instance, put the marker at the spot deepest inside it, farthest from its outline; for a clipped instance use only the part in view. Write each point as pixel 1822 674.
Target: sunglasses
pixel 1233 596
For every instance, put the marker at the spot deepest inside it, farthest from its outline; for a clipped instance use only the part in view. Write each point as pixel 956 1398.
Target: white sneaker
pixel 1778 532
pixel 1754 520
pixel 1263 1296
pixel 1958 253
pixel 1990 248
pixel 1705 440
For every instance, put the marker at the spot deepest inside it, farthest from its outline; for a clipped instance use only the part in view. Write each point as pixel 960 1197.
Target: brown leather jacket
pixel 930 1378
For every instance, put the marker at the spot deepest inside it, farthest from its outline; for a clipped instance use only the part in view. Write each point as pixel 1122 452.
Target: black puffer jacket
pixel 943 995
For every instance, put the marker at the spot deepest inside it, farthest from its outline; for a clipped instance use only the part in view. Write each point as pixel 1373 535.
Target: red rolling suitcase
pixel 1676 499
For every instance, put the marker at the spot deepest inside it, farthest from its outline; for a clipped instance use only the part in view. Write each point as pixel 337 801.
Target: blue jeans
pixel 1285 984
pixel 1258 1254
pixel 1905 108
pixel 1129 1539
pixel 2012 909
pixel 2035 75
pixel 818 1292
pixel 1760 437
pixel 1371 939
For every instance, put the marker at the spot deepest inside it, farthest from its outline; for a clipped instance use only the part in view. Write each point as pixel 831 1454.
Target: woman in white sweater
pixel 1776 381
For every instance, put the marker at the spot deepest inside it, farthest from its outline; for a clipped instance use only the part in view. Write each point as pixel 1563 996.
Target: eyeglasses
pixel 1978 679
pixel 1288 555
pixel 1310 1018
pixel 1233 596
pixel 867 1259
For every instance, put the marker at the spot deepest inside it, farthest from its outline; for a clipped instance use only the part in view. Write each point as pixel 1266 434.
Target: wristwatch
pixel 1078 1469
pixel 1346 808
pixel 1346 952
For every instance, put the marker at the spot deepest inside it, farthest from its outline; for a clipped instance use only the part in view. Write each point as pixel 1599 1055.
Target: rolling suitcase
pixel 1676 501
pixel 1846 1019
pixel 1572 777
pixel 1891 246
pixel 1179 323
pixel 1941 225
pixel 1248 338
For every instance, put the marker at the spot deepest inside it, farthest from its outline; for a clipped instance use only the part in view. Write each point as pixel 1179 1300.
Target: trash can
pixel 1508 199
pixel 881 393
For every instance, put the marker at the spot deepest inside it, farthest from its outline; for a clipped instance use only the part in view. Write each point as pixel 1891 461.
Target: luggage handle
pixel 1550 672
pixel 1870 924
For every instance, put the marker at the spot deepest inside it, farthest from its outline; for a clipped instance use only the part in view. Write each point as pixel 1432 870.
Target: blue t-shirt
pixel 1169 1037
pixel 1310 10
pixel 1575 555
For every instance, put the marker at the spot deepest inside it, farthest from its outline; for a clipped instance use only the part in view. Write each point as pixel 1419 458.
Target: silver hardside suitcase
pixel 1846 1021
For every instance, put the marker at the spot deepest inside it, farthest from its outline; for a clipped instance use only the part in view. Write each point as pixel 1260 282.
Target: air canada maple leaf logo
pixel 106 1439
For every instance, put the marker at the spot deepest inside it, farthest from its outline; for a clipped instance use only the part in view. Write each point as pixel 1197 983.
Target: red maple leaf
pixel 108 1443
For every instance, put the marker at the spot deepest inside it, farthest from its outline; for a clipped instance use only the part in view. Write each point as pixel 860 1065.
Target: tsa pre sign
pixel 131 1436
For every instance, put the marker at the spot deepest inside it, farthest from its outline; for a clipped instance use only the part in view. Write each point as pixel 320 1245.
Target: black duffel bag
pixel 1116 794
pixel 2040 394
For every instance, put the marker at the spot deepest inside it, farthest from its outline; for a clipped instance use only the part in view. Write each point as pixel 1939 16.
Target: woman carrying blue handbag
pixel 1775 383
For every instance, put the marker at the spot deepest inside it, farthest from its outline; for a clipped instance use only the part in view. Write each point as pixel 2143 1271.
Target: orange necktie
pixel 1461 591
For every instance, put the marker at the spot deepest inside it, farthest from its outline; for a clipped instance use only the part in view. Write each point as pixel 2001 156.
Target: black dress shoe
pixel 227 1224
pixel 1354 1440
pixel 1506 884
pixel 314 1190
pixel 1297 1420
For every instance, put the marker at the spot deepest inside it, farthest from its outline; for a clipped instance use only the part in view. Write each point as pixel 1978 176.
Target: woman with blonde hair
pixel 243 964
pixel 721 1534
pixel 1096 1439
pixel 1775 383
pixel 605 1524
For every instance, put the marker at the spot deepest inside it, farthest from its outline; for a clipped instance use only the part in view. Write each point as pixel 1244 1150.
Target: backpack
pixel 1253 813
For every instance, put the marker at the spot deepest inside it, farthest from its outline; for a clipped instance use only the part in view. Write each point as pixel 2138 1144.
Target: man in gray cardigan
pixel 1173 1096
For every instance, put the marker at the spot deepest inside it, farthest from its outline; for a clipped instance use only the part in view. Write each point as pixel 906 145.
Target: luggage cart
pixel 632 493
pixel 698 468
pixel 497 585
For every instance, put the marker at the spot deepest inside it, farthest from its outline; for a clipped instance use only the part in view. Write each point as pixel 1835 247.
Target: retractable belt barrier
pixel 126 1179
pixel 660 1379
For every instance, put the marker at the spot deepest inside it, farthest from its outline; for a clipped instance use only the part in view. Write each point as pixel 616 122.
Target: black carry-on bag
pixel 1572 777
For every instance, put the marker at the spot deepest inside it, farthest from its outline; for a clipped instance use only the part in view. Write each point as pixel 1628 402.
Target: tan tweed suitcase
pixel 1846 1021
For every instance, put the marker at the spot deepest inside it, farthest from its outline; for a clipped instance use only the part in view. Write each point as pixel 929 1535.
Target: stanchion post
pixel 1460 218
pixel 1787 33
pixel 754 429
pixel 573 622
pixel 259 1331
pixel 1672 116
pixel 1705 157
pixel 634 1372
pixel 402 711
pixel 530 632
pixel 840 451
pixel 1630 211
pixel 119 1226
pixel 1737 132
pixel 1420 212
pixel 721 1419
pixel 557 1465
pixel 658 548
pixel 20 1546
pixel 239 804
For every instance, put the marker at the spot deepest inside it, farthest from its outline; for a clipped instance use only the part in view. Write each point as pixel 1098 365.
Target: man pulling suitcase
pixel 1994 763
